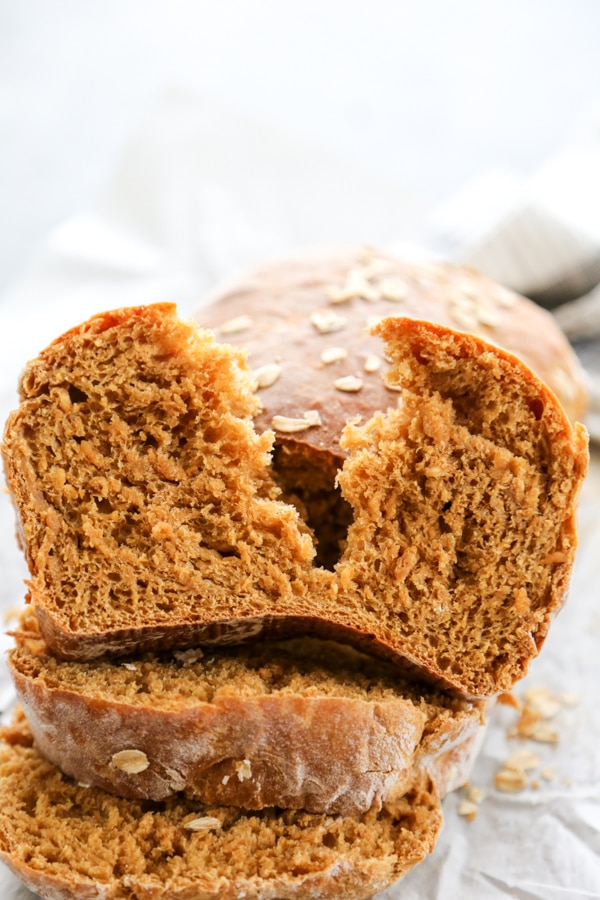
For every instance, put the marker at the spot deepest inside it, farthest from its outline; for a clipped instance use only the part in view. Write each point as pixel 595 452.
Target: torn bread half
pixel 151 515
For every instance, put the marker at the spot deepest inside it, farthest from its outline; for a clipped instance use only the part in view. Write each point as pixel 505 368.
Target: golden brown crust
pixel 67 842
pixel 279 299
pixel 142 487
pixel 301 725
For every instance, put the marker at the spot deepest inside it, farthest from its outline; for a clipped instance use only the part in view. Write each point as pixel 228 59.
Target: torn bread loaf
pixel 151 516
pixel 306 323
pixel 69 842
pixel 304 724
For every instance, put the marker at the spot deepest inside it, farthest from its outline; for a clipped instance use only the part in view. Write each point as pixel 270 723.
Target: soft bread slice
pixel 69 842
pixel 150 517
pixel 305 724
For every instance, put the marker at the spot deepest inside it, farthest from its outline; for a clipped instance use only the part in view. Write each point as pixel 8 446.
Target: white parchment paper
pixel 201 193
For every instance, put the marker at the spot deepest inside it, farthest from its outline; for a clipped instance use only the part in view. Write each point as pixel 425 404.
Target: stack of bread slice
pixel 253 662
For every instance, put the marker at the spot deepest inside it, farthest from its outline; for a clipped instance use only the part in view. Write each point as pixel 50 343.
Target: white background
pixel 427 93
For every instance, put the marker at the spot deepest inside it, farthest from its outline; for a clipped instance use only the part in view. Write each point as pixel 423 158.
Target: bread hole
pixel 76 395
pixel 104 505
pixel 537 407
pixel 309 483
pixel 330 840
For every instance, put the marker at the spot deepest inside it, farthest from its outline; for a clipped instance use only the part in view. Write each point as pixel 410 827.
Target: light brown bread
pixel 304 724
pixel 69 842
pixel 306 324
pixel 151 517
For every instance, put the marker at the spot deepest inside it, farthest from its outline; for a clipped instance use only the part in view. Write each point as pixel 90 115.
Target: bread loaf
pixel 304 724
pixel 70 842
pixel 151 516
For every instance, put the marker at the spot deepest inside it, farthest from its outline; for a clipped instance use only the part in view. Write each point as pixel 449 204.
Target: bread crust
pixel 89 844
pixel 279 298
pixel 246 592
pixel 304 749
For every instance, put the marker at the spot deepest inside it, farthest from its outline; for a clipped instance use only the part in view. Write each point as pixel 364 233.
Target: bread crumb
pixel 188 657
pixel 547 774
pixel 543 701
pixel 508 699
pixel 569 698
pixel 468 810
pixel 130 666
pixel 475 794
pixel 543 733
pixel 130 761
pixel 522 760
pixel 510 780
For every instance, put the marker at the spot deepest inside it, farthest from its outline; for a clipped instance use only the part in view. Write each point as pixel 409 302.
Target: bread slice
pixel 69 842
pixel 303 724
pixel 151 517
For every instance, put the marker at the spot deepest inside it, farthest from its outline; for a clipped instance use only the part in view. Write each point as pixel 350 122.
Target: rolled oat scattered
pixel 487 315
pixel 504 297
pixel 393 289
pixel 543 701
pixel 289 425
pixel 569 698
pixel 326 321
pixel 510 780
pixel 204 823
pixel 372 363
pixel 543 733
pixel 463 319
pixel 333 354
pixel 234 326
pixel 467 809
pixel 267 375
pixel 522 760
pixel 244 770
pixel 350 384
pixel 475 794
pixel 132 762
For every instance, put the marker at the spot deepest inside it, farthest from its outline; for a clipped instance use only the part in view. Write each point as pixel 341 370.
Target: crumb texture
pixel 463 532
pixel 152 514
pixel 143 489
pixel 67 841
pixel 302 724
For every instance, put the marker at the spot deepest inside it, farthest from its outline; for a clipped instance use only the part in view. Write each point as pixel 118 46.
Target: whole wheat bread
pixel 151 516
pixel 70 842
pixel 304 724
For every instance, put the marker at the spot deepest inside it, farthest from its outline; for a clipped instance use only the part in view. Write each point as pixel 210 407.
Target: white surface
pixel 427 93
